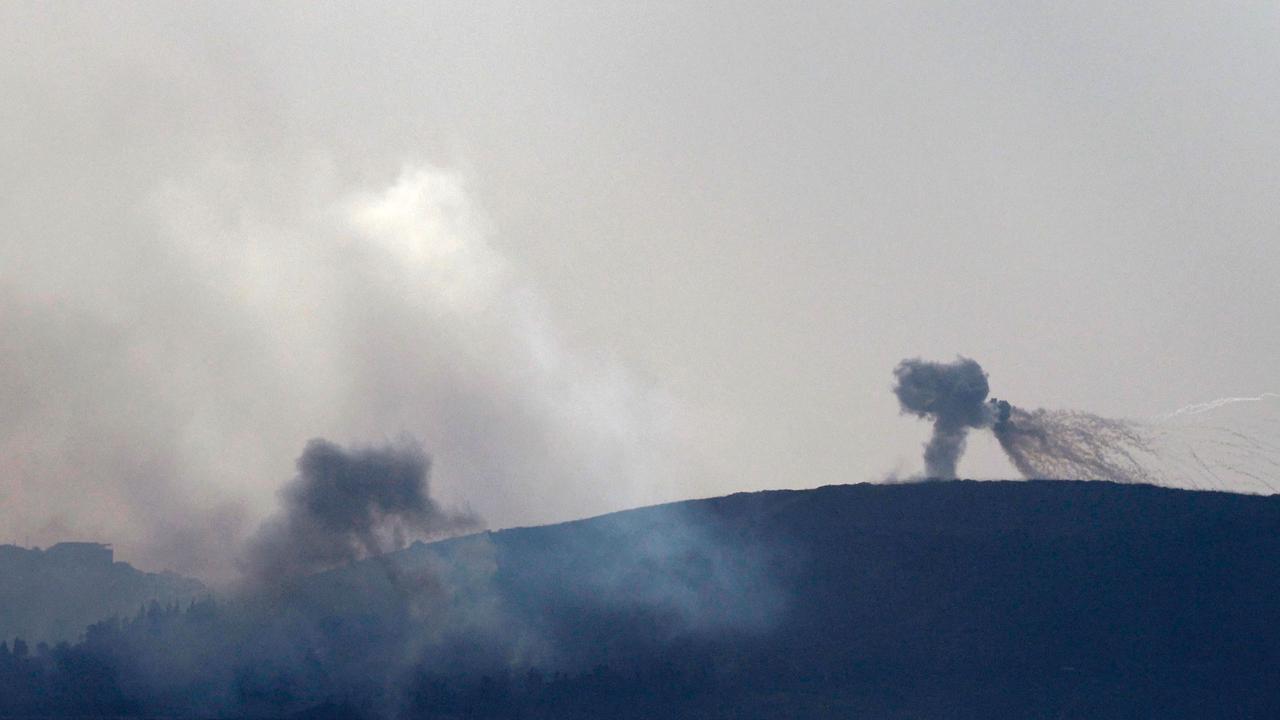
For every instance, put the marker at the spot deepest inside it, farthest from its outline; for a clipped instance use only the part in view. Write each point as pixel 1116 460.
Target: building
pixel 81 554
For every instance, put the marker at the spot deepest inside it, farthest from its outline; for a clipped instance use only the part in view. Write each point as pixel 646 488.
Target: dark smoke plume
pixel 345 505
pixel 953 395
pixel 1039 443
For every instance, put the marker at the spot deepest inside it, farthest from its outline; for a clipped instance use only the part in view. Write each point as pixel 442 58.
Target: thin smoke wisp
pixel 1203 407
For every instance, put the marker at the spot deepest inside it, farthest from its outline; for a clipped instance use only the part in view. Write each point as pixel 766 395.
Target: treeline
pixel 212 660
pixel 205 661
pixel 81 679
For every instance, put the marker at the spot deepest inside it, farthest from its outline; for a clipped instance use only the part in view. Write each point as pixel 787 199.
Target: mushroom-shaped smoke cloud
pixel 954 396
pixel 1076 445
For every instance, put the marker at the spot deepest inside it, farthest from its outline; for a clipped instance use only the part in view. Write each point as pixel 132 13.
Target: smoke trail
pixel 345 505
pixel 1173 450
pixel 1076 445
pixel 1198 408
pixel 953 395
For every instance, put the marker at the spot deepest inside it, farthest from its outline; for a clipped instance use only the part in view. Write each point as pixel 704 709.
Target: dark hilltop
pixel 957 599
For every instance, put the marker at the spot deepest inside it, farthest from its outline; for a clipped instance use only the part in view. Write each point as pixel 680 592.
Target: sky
pixel 599 255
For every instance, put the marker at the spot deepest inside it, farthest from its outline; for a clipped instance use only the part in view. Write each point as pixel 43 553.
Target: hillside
pixel 939 600
pixel 52 595
pixel 943 599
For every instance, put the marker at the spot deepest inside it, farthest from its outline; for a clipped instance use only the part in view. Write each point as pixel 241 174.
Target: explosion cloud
pixel 345 505
pixel 951 394
pixel 1040 443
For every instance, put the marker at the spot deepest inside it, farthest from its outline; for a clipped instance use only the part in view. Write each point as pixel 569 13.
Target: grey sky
pixel 710 231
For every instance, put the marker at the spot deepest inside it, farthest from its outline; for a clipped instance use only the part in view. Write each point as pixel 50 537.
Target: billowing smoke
pixel 1039 443
pixel 953 395
pixel 345 505
pixel 379 307
pixel 1078 445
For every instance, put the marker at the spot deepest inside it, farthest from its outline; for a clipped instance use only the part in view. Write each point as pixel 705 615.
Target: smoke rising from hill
pixel 1039 443
pixel 374 308
pixel 952 395
pixel 345 505
pixel 1065 444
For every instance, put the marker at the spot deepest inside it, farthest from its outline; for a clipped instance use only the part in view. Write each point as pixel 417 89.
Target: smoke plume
pixel 378 307
pixel 952 395
pixel 345 505
pixel 1078 445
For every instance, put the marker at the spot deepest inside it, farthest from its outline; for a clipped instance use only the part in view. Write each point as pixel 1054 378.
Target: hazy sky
pixel 598 255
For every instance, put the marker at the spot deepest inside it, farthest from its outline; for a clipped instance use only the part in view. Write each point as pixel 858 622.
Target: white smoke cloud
pixel 254 307
pixel 604 433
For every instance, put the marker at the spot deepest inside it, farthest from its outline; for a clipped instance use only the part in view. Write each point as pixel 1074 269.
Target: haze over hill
pixel 291 291
pixel 351 504
pixel 597 257
pixel 956 599
pixel 51 595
